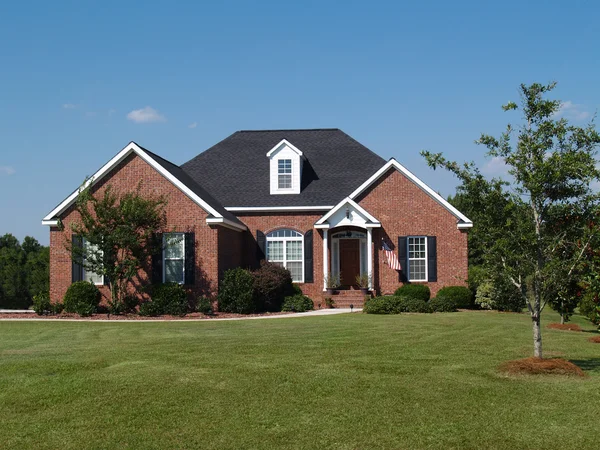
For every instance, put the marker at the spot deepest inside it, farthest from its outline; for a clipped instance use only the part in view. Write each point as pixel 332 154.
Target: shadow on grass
pixel 589 365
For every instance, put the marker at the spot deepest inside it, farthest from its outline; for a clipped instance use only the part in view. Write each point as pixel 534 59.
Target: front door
pixel 349 261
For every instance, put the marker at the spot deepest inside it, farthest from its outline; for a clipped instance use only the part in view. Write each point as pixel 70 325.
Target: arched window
pixel 285 248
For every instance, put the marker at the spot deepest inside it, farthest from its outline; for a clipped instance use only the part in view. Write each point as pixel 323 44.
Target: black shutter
pixel 403 259
pixel 431 258
pixel 190 258
pixel 308 256
pixel 157 259
pixel 261 241
pixel 76 267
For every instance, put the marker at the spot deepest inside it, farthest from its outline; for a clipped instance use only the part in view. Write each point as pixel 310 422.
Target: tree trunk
pixel 537 335
pixel 562 318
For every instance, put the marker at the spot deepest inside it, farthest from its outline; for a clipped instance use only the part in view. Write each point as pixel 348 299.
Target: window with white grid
pixel 174 258
pixel 417 258
pixel 92 277
pixel 284 174
pixel 285 248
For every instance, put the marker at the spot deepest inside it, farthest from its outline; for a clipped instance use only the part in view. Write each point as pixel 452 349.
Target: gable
pixel 217 214
pixel 285 166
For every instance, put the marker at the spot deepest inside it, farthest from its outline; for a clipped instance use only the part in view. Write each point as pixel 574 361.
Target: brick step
pixel 345 298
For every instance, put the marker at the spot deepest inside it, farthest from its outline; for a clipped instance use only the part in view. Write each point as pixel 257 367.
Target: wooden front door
pixel 349 261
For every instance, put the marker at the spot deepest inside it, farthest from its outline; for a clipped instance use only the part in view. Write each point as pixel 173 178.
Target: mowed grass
pixel 350 381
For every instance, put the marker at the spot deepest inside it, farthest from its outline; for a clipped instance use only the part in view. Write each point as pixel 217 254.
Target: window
pixel 284 174
pixel 417 259
pixel 285 248
pixel 89 276
pixel 173 258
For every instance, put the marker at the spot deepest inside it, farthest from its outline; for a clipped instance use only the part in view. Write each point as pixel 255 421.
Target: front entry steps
pixel 343 298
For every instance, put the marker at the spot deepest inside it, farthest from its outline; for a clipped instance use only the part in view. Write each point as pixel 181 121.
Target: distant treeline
pixel 24 271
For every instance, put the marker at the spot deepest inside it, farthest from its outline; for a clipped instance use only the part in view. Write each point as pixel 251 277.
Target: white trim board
pixel 132 147
pixel 284 142
pixel 340 205
pixel 276 208
pixel 465 222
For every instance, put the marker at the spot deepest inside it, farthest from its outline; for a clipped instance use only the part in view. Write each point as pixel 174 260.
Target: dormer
pixel 285 162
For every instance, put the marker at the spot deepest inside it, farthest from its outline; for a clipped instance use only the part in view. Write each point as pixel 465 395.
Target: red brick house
pixel 315 201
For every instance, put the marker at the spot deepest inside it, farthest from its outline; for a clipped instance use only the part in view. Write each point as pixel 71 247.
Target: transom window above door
pixel 285 248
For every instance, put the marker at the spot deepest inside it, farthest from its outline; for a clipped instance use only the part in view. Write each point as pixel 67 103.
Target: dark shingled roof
pixel 236 170
pixel 178 173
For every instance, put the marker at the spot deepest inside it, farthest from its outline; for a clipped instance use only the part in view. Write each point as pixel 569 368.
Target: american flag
pixel 392 260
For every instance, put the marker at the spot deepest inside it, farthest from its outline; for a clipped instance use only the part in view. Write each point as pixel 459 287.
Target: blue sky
pixel 79 80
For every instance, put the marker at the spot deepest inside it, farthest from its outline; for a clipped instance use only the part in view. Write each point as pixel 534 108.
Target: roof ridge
pixel 288 129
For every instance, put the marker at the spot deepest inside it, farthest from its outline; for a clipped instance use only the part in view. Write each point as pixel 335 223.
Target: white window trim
pixel 100 283
pixel 291 175
pixel 417 259
pixel 164 256
pixel 284 240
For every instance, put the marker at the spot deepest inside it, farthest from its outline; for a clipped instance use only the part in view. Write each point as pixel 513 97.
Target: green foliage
pixel 298 303
pixel 499 294
pixel 329 302
pixel 393 304
pixel 204 305
pixel 272 283
pixel 166 298
pixel 119 230
pixel 589 306
pixel 296 290
pixel 236 292
pixel 42 305
pixel 419 291
pixel 442 304
pixel 82 298
pixel 460 296
pixel 24 271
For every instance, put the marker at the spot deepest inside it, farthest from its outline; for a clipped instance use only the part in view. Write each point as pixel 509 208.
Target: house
pixel 314 201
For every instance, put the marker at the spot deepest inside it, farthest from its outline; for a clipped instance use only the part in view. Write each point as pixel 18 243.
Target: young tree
pixel 551 164
pixel 118 235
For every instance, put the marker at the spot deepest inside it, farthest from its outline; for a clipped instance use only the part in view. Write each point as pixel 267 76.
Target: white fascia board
pixel 276 208
pixel 225 223
pixel 324 226
pixel 50 223
pixel 341 204
pixel 282 143
pixel 131 147
pixel 437 197
pixel 462 226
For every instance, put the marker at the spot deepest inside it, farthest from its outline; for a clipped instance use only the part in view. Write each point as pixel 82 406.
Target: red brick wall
pixel 404 209
pixel 183 215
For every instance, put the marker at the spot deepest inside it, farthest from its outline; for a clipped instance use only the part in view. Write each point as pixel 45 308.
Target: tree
pixel 118 231
pixel 551 164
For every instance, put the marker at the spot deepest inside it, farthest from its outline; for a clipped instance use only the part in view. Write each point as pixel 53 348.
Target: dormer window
pixel 284 174
pixel 285 163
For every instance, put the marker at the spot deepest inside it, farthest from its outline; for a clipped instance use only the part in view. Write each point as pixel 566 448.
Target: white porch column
pixel 325 262
pixel 370 256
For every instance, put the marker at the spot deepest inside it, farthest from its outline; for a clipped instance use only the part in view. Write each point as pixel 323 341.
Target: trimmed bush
pixel 418 291
pixel 393 304
pixel 167 298
pixel 272 283
pixel 589 306
pixel 461 295
pixel 499 294
pixel 204 305
pixel 296 289
pixel 236 293
pixel 42 305
pixel 82 298
pixel 298 303
pixel 442 304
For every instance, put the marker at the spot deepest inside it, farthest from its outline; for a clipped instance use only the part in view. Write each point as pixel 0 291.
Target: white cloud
pixel 495 166
pixel 7 170
pixel 69 106
pixel 193 125
pixel 146 115
pixel 570 110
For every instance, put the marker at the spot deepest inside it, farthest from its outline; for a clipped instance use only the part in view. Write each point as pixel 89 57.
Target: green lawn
pixel 350 381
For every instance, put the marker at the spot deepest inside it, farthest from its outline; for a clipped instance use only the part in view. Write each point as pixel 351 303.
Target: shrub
pixel 236 293
pixel 329 302
pixel 57 308
pixel 167 298
pixel 297 303
pixel 82 298
pixel 272 283
pixel 588 306
pixel 418 291
pixel 296 290
pixel 42 305
pixel 461 295
pixel 204 305
pixel 393 304
pixel 442 304
pixel 130 303
pixel 499 294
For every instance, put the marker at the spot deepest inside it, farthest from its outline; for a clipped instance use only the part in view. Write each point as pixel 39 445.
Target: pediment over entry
pixel 347 213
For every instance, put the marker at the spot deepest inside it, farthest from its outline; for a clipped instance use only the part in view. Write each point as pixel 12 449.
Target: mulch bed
pixel 191 316
pixel 595 339
pixel 539 366
pixel 565 326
